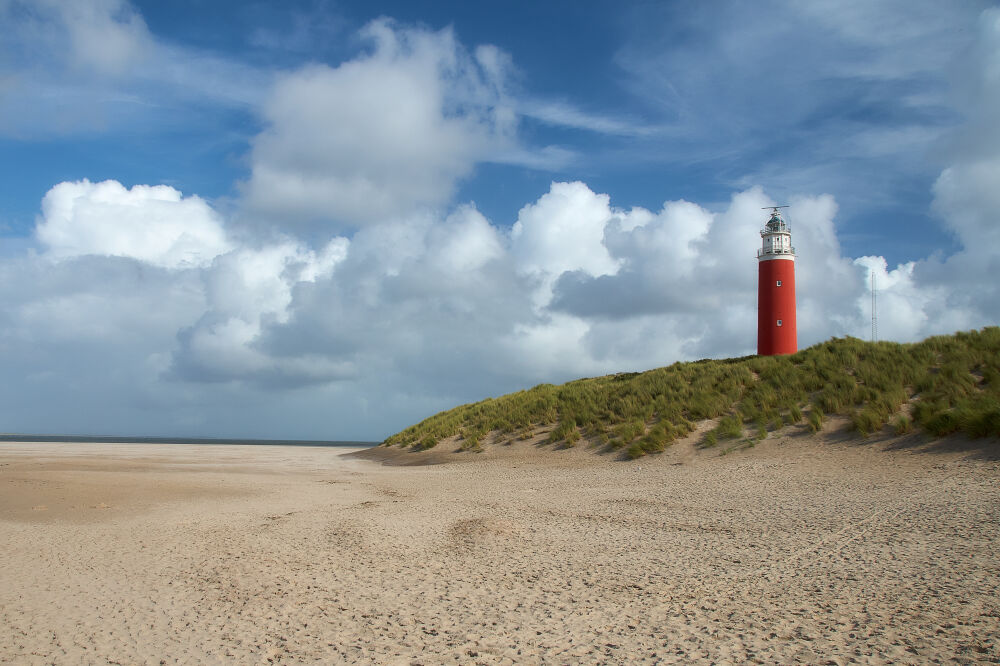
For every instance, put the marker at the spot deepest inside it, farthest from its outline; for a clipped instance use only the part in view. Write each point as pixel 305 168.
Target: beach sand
pixel 818 550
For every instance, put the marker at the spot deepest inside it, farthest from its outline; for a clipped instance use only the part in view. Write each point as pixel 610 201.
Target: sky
pixel 330 220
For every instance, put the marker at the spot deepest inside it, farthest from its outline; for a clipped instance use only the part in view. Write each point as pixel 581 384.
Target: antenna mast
pixel 874 310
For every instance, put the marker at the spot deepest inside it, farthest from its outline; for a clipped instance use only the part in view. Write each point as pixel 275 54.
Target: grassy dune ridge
pixel 945 384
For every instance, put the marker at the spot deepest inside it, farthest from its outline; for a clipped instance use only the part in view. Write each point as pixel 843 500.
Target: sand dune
pixel 799 550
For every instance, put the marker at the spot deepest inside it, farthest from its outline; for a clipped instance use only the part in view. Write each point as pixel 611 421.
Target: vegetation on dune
pixel 952 381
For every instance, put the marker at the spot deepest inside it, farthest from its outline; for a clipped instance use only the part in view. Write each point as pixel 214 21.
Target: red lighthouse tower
pixel 776 288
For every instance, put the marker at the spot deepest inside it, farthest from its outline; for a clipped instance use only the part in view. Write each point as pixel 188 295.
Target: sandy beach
pixel 803 549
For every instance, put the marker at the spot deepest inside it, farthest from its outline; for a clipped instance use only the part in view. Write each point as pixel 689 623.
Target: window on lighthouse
pixel 778 284
pixel 779 322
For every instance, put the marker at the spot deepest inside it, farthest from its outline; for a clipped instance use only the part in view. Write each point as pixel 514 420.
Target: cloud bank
pixel 427 311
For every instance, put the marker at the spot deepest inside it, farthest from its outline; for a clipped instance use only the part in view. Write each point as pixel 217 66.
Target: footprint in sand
pixel 40 507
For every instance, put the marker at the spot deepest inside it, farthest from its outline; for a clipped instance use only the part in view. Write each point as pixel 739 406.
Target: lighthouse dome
pixel 776 224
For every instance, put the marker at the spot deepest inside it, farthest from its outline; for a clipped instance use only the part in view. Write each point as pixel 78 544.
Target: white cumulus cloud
pixel 563 231
pixel 246 290
pixel 154 224
pixel 381 135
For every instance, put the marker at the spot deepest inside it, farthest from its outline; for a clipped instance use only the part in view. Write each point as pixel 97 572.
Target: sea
pixel 102 439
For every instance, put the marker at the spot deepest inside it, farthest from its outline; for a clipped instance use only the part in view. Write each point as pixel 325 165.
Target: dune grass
pixel 953 382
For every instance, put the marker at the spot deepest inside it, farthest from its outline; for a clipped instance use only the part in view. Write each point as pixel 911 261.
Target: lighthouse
pixel 776 288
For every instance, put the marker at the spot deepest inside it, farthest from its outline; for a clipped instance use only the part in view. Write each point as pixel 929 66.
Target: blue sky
pixel 329 219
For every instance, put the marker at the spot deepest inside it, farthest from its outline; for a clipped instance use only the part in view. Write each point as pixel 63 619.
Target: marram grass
pixel 952 381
